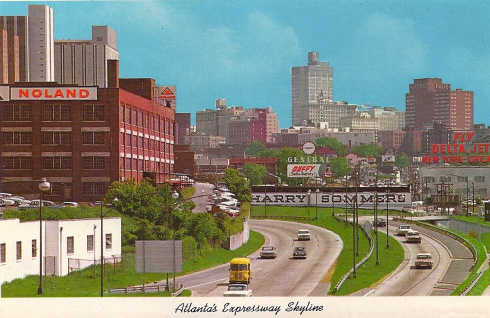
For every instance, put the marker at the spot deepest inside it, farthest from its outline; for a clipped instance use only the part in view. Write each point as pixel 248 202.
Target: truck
pixel 403 229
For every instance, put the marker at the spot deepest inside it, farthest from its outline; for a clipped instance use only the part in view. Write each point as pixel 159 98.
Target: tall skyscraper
pixel 308 83
pixel 430 101
pixel 41 43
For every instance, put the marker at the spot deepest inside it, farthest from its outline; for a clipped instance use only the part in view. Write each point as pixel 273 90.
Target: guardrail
pixel 368 255
pixel 143 289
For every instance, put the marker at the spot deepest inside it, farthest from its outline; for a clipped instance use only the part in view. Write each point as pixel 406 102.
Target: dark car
pixel 299 252
pixel 379 222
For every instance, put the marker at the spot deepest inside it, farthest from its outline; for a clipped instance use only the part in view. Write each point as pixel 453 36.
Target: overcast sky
pixel 244 50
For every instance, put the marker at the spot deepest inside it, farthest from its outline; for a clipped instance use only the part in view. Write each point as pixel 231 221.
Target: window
pixel 70 245
pixel 3 253
pixel 56 138
pixel 19 250
pixel 16 113
pixel 93 138
pixel 90 243
pixel 17 163
pixel 93 188
pixel 57 163
pixel 479 178
pixel 93 112
pixel 16 138
pixel 34 248
pixel 56 113
pixel 108 241
pixel 93 163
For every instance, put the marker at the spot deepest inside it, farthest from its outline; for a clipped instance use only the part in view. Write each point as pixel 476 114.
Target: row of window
pixel 52 138
pixel 130 140
pixel 70 247
pixel 54 163
pixel 133 164
pixel 50 113
pixel 132 116
pixel 448 179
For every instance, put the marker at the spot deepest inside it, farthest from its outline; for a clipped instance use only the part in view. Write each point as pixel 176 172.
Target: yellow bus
pixel 240 271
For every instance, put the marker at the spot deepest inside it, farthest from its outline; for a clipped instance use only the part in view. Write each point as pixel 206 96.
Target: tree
pixel 402 160
pixel 254 148
pixel 283 161
pixel 339 166
pixel 253 172
pixel 332 143
pixel 365 150
pixel 238 185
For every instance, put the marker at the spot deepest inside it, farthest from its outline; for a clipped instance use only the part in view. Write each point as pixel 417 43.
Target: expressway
pixel 282 276
pixel 452 262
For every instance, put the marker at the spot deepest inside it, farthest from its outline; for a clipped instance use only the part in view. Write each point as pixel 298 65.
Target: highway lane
pixel 451 266
pixel 282 276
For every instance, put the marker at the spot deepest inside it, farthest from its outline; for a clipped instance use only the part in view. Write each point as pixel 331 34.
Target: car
pixel 304 235
pixel 6 202
pixel 268 252
pixel 70 204
pixel 379 222
pixel 413 236
pixel 35 204
pixel 424 260
pixel 238 290
pixel 299 252
pixel 403 229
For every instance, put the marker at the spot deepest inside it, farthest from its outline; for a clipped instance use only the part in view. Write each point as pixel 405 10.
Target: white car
pixel 238 290
pixel 413 236
pixel 268 252
pixel 403 229
pixel 304 235
pixel 70 204
pixel 424 260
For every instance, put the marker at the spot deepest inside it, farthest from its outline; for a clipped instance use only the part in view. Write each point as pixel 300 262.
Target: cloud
pixel 254 46
pixel 388 43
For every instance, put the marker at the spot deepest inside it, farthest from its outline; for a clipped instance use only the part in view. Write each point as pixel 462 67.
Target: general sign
pixel 53 93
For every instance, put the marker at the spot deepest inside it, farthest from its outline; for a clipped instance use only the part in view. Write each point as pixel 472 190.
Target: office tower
pixel 308 83
pixel 84 62
pixel 430 101
pixel 41 43
pixel 16 62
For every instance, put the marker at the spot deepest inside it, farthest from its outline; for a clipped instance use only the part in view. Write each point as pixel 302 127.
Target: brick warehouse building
pixel 81 139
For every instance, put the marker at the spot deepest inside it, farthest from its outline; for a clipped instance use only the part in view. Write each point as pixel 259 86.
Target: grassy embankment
pixel 86 283
pixel 369 273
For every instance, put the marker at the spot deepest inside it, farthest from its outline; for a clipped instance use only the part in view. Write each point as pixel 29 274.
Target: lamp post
pixel 102 247
pixel 44 185
pixel 316 203
pixel 309 202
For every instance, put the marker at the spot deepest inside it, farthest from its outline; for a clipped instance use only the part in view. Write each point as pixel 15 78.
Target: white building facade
pixel 68 245
pixel 41 43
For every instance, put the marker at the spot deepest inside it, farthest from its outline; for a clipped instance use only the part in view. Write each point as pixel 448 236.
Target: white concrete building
pixel 68 245
pixel 41 43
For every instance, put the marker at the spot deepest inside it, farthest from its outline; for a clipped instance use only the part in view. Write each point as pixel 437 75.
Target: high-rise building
pixel 17 60
pixel 41 43
pixel 308 83
pixel 84 62
pixel 430 101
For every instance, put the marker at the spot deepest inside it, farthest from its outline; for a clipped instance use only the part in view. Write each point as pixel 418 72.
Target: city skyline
pixel 243 51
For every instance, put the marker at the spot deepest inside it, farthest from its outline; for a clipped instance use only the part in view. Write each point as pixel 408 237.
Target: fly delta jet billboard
pixel 392 200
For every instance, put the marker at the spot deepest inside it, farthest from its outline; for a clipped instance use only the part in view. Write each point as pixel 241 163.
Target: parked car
pixel 379 222
pixel 35 204
pixel 268 252
pixel 238 290
pixel 413 236
pixel 424 260
pixel 70 204
pixel 299 252
pixel 6 202
pixel 403 229
pixel 304 235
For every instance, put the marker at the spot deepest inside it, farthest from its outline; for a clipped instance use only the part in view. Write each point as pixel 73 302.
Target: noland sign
pixel 303 170
pixel 53 93
pixel 158 256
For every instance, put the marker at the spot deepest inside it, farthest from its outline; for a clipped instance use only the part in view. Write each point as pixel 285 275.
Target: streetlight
pixel 102 247
pixel 316 203
pixel 309 202
pixel 44 185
